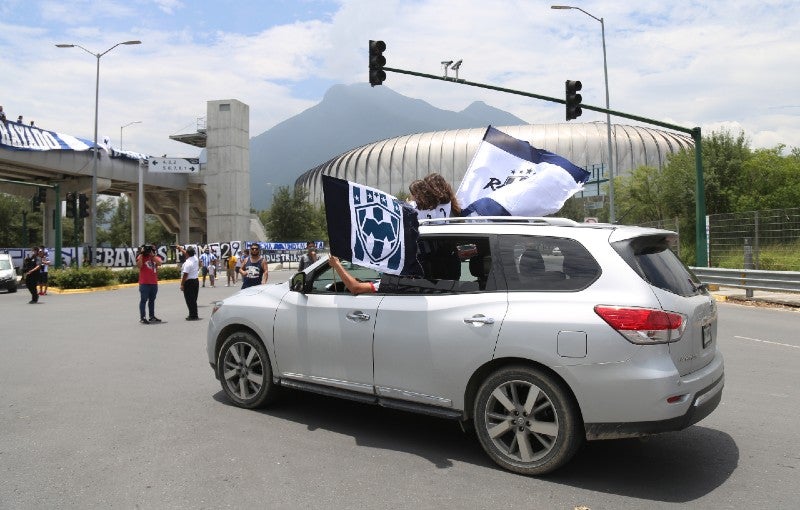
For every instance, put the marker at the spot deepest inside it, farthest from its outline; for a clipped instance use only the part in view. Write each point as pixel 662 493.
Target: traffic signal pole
pixel 56 215
pixel 701 239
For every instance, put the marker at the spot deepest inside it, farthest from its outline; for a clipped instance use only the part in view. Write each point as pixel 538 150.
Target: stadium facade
pixel 390 165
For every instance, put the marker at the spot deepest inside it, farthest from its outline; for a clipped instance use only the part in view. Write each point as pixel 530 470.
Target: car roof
pixel 553 226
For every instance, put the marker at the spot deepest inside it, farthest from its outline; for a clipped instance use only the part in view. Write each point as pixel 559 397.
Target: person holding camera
pixel 148 263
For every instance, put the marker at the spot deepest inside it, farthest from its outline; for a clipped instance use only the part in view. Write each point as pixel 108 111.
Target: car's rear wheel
pixel 244 370
pixel 526 421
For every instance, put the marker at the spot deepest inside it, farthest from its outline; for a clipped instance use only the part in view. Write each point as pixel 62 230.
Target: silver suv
pixel 538 333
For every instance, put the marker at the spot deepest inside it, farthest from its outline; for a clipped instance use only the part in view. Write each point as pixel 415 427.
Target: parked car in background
pixel 611 336
pixel 8 274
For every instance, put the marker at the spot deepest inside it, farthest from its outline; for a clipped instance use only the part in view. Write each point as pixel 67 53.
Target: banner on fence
pixel 125 256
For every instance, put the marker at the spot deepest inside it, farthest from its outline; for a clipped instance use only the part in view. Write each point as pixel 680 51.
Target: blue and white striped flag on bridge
pixel 510 177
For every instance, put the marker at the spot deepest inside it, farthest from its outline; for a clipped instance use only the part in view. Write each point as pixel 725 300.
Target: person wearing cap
pixel 254 270
pixel 190 286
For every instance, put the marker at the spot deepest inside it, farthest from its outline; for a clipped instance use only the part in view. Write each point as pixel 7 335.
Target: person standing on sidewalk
pixel 230 266
pixel 148 263
pixel 310 257
pixel 205 261
pixel 241 259
pixel 254 271
pixel 30 271
pixel 190 285
pixel 45 255
pixel 212 268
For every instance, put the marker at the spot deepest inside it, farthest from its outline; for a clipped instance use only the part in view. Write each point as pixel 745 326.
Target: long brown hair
pixel 443 192
pixel 423 195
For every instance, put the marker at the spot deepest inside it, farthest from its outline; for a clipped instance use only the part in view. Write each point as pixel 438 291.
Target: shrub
pixel 127 275
pixel 81 278
pixel 168 273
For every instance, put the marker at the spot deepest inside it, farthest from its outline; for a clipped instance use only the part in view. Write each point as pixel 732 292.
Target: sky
pixel 718 64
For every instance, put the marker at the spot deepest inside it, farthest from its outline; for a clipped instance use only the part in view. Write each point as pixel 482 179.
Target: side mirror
pixel 299 282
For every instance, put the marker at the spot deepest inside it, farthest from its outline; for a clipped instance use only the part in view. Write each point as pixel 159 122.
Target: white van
pixel 8 275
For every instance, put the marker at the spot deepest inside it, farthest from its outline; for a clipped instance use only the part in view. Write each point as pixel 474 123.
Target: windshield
pixel 5 264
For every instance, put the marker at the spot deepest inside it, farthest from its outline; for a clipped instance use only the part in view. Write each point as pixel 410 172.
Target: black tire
pixel 526 421
pixel 244 370
pixel 12 289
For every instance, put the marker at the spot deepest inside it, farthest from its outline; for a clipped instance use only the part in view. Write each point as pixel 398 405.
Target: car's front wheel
pixel 526 421
pixel 244 370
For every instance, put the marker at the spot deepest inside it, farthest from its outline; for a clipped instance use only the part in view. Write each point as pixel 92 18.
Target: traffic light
pixel 71 205
pixel 573 99
pixel 83 206
pixel 42 194
pixel 36 201
pixel 376 62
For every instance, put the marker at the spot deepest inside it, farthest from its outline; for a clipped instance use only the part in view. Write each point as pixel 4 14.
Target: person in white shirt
pixel 189 282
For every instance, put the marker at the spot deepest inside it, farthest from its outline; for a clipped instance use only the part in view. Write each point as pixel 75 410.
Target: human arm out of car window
pixel 353 285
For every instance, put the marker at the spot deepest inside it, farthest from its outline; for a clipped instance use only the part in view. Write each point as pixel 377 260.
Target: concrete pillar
pixel 184 202
pixel 132 200
pixel 227 175
pixel 48 225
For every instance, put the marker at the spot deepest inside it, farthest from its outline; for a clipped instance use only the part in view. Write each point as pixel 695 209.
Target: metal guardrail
pixel 752 279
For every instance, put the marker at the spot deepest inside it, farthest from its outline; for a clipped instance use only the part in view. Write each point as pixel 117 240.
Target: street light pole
pixel 611 214
pixel 96 155
pixel 122 127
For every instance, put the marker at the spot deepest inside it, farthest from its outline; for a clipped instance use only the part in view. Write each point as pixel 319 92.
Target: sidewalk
pixel 733 294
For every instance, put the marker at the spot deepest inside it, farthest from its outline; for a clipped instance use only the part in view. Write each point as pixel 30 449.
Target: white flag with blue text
pixel 510 177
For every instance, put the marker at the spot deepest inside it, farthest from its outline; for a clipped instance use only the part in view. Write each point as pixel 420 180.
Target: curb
pixel 56 290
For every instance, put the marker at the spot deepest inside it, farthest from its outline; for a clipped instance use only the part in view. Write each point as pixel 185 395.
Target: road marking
pixel 767 342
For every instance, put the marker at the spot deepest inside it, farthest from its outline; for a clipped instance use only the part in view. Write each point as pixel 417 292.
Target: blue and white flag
pixel 371 228
pixel 16 136
pixel 510 177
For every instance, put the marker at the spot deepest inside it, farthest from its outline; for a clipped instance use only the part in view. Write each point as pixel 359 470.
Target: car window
pixel 5 264
pixel 656 263
pixel 451 264
pixel 325 279
pixel 546 263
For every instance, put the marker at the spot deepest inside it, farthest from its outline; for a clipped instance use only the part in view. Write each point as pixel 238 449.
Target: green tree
pixel 155 232
pixel 14 212
pixel 291 218
pixel 640 196
pixel 118 232
pixel 769 180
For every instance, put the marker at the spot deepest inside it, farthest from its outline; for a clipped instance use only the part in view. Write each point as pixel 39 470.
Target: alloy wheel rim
pixel 521 421
pixel 243 370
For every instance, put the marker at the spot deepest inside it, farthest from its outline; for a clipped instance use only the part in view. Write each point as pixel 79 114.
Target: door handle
pixel 358 316
pixel 478 320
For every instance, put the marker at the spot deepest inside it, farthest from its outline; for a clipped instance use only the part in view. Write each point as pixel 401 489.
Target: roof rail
pixel 538 220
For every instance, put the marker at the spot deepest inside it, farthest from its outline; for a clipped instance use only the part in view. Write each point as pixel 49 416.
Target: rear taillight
pixel 643 325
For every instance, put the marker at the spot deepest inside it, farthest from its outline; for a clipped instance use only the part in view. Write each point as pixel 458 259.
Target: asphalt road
pixel 98 411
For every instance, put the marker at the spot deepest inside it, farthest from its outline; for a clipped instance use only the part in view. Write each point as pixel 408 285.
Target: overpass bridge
pixel 212 204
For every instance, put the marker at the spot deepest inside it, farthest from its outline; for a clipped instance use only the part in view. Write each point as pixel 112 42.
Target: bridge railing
pixel 750 279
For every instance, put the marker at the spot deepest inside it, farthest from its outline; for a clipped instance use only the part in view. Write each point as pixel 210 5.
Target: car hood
pixel 276 290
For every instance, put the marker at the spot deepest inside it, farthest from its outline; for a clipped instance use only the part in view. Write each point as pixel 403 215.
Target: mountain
pixel 350 116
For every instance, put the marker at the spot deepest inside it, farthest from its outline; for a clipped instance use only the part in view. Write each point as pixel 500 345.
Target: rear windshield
pixel 651 257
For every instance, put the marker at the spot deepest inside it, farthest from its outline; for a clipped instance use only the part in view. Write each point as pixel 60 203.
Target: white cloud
pixel 718 63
